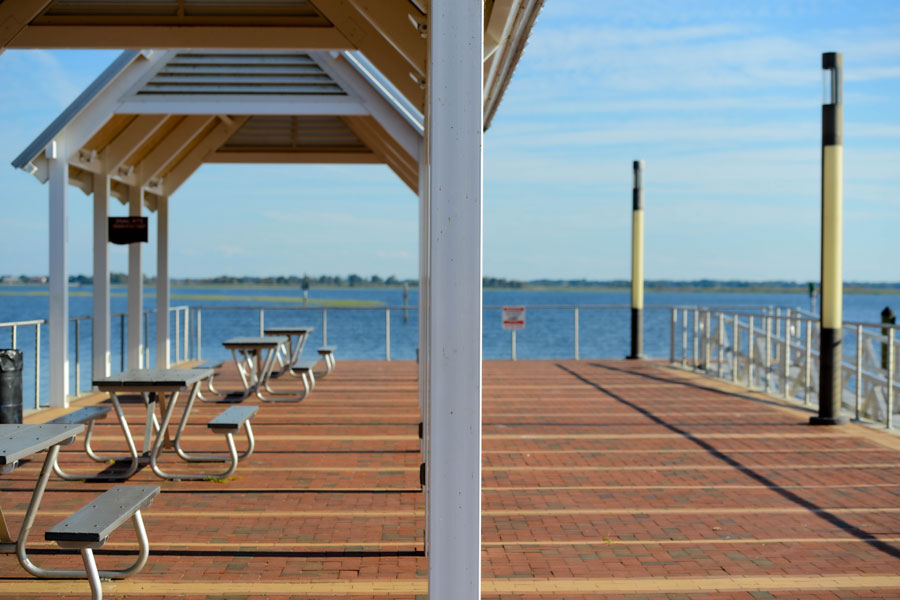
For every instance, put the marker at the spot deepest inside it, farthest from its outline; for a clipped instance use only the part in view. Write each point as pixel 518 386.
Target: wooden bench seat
pixel 90 527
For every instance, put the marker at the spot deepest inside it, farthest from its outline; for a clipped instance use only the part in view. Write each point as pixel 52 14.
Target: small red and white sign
pixel 513 317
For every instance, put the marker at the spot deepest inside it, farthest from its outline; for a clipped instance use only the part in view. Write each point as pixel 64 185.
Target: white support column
pixel 454 150
pixel 162 284
pixel 58 368
pixel 135 288
pixel 423 312
pixel 101 323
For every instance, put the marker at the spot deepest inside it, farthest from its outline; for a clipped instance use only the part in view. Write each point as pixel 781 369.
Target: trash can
pixel 10 386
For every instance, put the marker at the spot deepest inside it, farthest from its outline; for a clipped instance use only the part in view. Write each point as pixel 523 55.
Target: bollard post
pixel 888 318
pixel 11 387
pixel 637 263
pixel 830 347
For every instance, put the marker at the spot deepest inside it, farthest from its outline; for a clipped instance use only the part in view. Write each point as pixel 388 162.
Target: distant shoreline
pixel 649 288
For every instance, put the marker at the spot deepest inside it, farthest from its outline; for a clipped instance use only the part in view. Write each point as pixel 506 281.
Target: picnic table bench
pixel 88 528
pixel 163 387
pixel 254 358
pixel 327 354
pixel 88 415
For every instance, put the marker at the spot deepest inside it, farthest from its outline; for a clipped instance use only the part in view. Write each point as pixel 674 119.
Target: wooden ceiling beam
pixel 15 16
pixel 170 147
pixel 392 18
pixel 406 77
pixel 192 161
pixel 137 37
pixel 294 157
pixel 130 139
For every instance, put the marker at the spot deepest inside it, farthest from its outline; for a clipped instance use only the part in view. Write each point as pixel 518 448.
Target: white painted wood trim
pixel 135 289
pixel 454 139
pixel 241 105
pixel 58 367
pixel 162 283
pixel 101 321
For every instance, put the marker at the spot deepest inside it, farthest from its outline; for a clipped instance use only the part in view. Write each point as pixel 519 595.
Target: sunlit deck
pixel 601 479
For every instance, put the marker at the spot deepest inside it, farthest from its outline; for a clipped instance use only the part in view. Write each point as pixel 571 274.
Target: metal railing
pixel 82 335
pixel 778 353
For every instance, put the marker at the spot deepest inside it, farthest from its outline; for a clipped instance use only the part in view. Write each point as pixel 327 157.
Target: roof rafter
pixel 172 145
pixel 406 77
pixel 192 161
pixel 15 16
pixel 123 145
pixel 392 18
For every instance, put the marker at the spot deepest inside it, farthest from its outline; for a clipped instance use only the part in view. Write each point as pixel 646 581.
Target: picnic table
pixel 163 387
pixel 254 358
pixel 87 529
pixel 293 349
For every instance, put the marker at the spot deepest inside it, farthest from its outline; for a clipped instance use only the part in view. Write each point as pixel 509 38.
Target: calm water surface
pixel 360 333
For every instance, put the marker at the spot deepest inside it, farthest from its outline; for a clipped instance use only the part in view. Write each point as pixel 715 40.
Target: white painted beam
pixel 58 368
pixel 422 303
pixel 101 322
pixel 239 104
pixel 135 289
pixel 454 140
pixel 162 283
pixel 384 112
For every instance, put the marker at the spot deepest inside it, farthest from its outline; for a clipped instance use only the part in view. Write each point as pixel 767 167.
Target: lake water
pixel 360 333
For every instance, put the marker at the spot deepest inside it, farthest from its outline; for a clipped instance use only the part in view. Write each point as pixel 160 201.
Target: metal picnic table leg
pixel 264 381
pixel 132 450
pixel 28 522
pixel 205 457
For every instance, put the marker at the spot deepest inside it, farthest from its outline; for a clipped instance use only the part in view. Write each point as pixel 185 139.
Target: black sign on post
pixel 127 230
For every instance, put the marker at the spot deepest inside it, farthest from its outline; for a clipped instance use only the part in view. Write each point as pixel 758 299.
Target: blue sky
pixel 722 101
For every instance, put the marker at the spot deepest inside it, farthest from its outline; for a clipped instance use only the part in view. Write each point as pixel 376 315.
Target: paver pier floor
pixel 602 479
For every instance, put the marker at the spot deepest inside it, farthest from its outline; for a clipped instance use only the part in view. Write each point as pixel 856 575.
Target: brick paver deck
pixel 602 479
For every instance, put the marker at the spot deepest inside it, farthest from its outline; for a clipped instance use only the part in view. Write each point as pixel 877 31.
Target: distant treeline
pixel 354 280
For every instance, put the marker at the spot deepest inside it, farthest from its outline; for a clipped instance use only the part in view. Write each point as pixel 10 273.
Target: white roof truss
pixel 158 118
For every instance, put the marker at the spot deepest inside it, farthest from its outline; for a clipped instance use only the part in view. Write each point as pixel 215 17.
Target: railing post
pixel 786 373
pixel 387 334
pixel 262 321
pixel 122 342
pixel 890 379
pixel 77 357
pixel 13 335
pixel 513 341
pixel 673 327
pixel 199 336
pixel 707 340
pixel 575 327
pixel 177 339
pixel 751 334
pixel 777 332
pixel 324 326
pixel 695 340
pixel 37 366
pixel 768 360
pixel 807 376
pixel 735 347
pixel 720 355
pixel 684 330
pixel 859 352
pixel 187 331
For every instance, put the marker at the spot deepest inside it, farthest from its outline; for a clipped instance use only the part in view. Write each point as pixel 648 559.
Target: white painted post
pixel 454 139
pixel 163 291
pixel 424 345
pixel 100 337
pixel 135 287
pixel 512 341
pixel 59 275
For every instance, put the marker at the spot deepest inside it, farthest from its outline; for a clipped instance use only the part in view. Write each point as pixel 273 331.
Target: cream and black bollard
pixel 637 263
pixel 830 350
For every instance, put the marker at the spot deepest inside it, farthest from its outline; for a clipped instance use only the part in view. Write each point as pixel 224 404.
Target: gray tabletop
pixel 254 342
pixel 138 379
pixel 287 329
pixel 19 441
